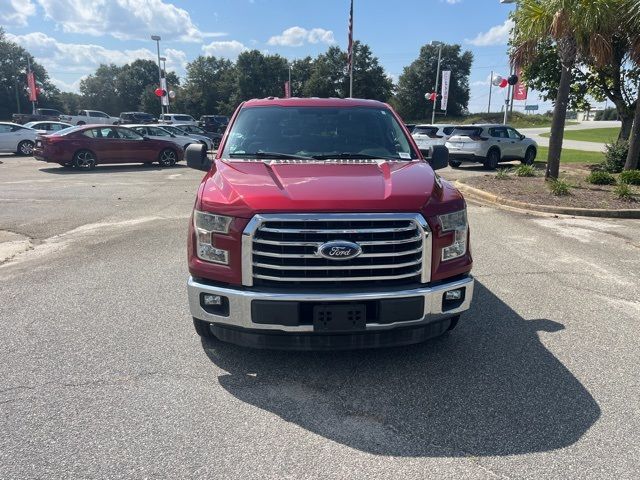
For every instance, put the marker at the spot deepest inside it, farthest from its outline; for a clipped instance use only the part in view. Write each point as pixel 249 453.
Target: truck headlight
pixel 455 222
pixel 205 225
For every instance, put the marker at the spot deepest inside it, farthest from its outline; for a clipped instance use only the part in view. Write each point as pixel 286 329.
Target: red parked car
pixel 86 146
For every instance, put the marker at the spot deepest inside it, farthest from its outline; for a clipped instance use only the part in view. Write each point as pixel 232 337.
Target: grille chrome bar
pixel 336 267
pixel 337 279
pixel 262 253
pixel 390 240
pixel 295 231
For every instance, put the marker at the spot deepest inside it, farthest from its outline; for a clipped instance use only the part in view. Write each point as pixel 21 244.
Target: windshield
pixel 318 132
pixel 67 130
pixel 431 131
pixel 467 131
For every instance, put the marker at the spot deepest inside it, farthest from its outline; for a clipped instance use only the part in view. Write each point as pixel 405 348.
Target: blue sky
pixel 72 37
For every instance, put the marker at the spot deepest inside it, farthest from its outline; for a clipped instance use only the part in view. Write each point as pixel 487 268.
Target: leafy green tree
pixel 630 12
pixel 419 78
pixel 328 75
pixel 208 86
pixel 13 80
pixel 576 27
pixel 258 76
pixel 369 78
pixel 301 70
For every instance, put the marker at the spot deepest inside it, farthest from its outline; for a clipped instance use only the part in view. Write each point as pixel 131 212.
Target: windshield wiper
pixel 260 154
pixel 355 156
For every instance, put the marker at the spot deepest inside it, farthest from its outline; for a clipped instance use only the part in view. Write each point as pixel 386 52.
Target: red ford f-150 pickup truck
pixel 319 225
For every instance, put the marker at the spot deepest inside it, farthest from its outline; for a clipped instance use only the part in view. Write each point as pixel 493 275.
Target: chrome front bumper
pixel 240 304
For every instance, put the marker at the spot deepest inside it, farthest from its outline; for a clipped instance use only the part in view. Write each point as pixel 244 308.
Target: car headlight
pixel 206 224
pixel 455 222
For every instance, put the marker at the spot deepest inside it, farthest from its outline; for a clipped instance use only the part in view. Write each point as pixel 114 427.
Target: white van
pixel 181 118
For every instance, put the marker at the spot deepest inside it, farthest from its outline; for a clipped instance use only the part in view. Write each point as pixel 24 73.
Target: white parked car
pixel 170 118
pixel 16 138
pixel 90 117
pixel 427 136
pixel 45 127
pixel 198 138
pixel 489 144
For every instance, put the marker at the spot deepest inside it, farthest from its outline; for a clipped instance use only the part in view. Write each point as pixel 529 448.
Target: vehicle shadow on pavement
pixel 488 388
pixel 133 167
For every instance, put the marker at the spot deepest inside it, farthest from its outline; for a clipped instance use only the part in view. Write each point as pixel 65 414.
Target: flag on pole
pixel 446 78
pixel 287 89
pixel 31 83
pixel 520 92
pixel 350 44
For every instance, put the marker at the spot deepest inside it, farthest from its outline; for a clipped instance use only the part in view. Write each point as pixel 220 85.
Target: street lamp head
pixel 156 38
pixel 163 59
pixel 436 43
pixel 508 1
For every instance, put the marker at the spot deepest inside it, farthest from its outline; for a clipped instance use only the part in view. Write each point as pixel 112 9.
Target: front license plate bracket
pixel 339 317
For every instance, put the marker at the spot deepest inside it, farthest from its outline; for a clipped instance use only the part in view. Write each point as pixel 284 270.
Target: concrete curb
pixel 481 195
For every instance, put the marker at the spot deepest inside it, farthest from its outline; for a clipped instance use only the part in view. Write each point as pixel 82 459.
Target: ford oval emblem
pixel 339 250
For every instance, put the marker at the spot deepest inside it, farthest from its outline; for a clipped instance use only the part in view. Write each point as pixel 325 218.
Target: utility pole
pixel 433 112
pixel 490 89
pixel 157 40
pixel 164 74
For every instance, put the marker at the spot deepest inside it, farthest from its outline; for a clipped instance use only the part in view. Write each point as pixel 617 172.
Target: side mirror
pixel 196 155
pixel 439 157
pixel 522 137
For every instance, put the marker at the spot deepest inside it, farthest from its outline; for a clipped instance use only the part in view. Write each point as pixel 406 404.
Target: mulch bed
pixel 535 190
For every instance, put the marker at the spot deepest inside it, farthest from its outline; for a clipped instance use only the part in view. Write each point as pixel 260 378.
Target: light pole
pixel 164 74
pixel 157 40
pixel 433 112
pixel 510 91
pixel 290 87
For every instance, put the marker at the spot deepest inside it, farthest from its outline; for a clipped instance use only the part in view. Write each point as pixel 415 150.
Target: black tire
pixel 25 148
pixel 202 328
pixel 167 157
pixel 529 156
pixel 84 160
pixel 454 163
pixel 492 160
pixel 454 322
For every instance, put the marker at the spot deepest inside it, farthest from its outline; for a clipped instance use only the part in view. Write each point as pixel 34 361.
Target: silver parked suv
pixel 489 145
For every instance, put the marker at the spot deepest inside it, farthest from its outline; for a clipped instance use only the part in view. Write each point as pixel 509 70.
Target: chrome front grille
pixel 281 250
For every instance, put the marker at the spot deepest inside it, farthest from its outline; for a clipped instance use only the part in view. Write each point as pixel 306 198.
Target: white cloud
pixel 16 12
pixel 297 36
pixel 485 82
pixel 226 48
pixel 84 58
pixel 124 19
pixel 498 35
pixel 453 2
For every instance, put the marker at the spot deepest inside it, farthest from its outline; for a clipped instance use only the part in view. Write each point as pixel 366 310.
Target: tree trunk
pixel 627 121
pixel 634 141
pixel 557 125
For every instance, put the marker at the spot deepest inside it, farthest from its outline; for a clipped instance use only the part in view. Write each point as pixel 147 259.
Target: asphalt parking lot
pixel 103 376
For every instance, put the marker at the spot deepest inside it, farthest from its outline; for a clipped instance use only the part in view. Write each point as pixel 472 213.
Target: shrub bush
pixel 503 174
pixel 630 177
pixel 623 191
pixel 601 178
pixel 559 187
pixel 525 171
pixel 615 156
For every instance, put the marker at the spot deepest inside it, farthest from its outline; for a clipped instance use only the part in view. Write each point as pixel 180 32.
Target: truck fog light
pixel 214 299
pixel 453 294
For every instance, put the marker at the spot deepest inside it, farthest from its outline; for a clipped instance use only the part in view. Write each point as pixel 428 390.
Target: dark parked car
pixel 136 118
pixel 40 114
pixel 86 146
pixel 214 123
pixel 195 130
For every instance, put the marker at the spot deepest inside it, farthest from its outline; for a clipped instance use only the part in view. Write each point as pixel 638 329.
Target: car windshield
pixel 319 133
pixel 467 131
pixel 431 131
pixel 172 129
pixel 67 130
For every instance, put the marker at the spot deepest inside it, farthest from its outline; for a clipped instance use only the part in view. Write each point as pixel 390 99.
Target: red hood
pixel 242 188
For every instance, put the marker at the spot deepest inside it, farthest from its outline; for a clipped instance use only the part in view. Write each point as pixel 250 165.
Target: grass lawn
pixel 598 135
pixel 571 156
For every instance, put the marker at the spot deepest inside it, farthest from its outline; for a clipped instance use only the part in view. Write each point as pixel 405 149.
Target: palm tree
pixel 631 12
pixel 577 27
